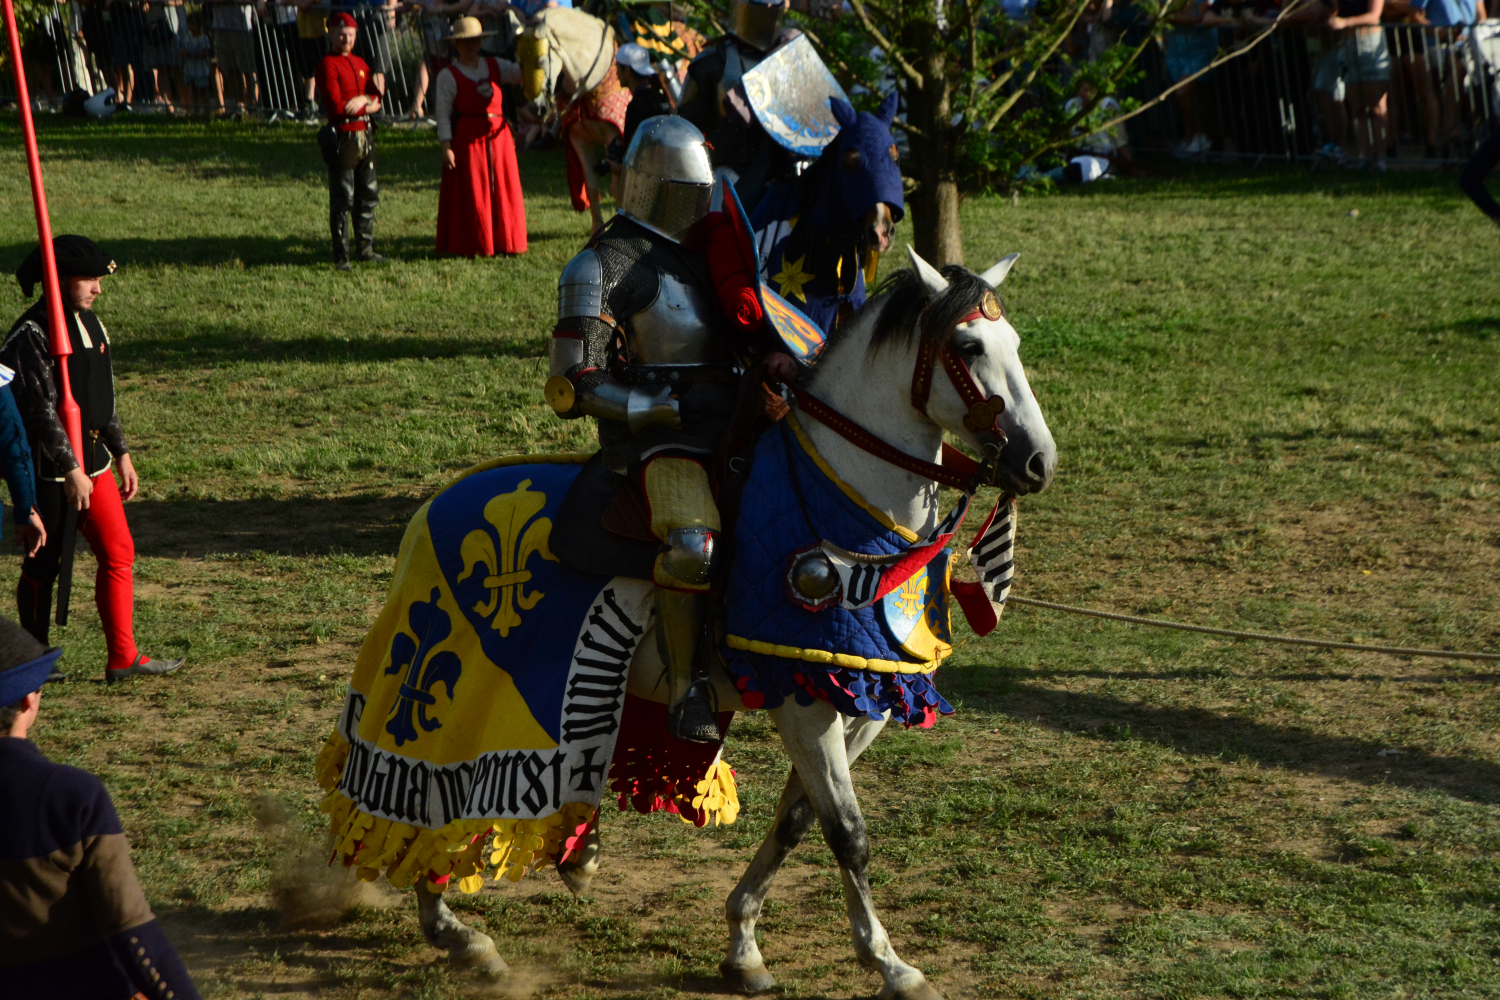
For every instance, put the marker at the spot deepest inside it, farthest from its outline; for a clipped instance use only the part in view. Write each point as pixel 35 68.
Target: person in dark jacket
pixel 74 923
pixel 86 482
pixel 16 467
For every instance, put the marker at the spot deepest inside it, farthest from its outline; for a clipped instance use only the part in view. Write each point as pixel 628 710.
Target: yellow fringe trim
pixel 834 659
pixel 717 796
pixel 406 853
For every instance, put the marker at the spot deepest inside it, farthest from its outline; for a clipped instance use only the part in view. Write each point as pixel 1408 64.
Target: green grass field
pixel 1272 411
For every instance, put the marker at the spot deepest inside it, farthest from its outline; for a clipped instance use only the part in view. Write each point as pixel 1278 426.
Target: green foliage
pixel 1004 83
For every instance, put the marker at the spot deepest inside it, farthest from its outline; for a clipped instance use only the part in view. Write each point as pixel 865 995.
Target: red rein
pixel 957 469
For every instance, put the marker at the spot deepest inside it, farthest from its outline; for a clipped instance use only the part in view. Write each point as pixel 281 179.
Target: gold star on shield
pixel 792 278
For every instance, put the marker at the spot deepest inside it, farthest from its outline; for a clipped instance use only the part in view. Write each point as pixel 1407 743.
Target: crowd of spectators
pixel 219 56
pixel 1347 80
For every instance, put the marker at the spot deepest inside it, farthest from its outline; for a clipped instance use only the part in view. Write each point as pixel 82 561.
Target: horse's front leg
pixel 579 869
pixel 814 740
pixel 590 139
pixel 467 948
pixel 744 969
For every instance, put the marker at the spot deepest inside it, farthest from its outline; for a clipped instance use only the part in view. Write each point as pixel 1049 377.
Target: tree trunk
pixel 934 205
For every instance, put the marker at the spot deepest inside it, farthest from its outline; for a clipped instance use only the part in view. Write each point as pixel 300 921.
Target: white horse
pixel 867 377
pixel 566 55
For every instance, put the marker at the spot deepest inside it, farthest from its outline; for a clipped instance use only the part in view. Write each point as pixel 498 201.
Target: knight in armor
pixel 642 347
pixel 714 100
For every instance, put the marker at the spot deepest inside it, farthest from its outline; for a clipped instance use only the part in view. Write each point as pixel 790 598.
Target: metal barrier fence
pixel 1309 94
pixel 1398 93
pixel 215 57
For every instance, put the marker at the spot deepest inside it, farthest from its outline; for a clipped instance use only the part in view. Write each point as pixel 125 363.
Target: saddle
pixel 604 523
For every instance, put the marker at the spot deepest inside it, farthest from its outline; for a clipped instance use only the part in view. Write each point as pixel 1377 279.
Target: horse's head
pixel 861 182
pixel 561 44
pixel 967 347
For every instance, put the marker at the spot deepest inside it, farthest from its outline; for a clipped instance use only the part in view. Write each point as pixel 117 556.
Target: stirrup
pixel 695 718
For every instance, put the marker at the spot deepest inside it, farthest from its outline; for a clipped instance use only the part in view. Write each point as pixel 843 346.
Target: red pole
pixel 59 344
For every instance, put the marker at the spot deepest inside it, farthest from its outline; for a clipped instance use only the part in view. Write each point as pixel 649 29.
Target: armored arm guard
pixel 580 383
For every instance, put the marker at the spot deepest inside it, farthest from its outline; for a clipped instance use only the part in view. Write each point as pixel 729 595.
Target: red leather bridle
pixel 983 418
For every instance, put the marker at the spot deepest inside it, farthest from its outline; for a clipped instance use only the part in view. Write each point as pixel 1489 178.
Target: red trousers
pixel 103 525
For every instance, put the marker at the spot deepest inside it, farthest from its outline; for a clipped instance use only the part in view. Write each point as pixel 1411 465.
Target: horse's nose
pixel 1037 469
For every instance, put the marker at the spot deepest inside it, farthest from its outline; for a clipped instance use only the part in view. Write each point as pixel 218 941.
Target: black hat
pixel 25 664
pixel 17 646
pixel 77 257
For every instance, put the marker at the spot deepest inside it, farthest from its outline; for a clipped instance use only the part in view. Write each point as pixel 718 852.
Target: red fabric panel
pixel 650 768
pixel 480 209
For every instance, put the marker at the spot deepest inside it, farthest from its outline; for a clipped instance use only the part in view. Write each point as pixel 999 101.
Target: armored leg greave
pixel 682 639
pixel 686 519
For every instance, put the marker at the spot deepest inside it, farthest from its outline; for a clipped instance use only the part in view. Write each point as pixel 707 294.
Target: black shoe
pixel 694 719
pixel 140 668
pixel 56 677
pixel 343 265
pixel 371 257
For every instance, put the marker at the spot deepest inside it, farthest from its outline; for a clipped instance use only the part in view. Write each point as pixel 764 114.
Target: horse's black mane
pixel 902 314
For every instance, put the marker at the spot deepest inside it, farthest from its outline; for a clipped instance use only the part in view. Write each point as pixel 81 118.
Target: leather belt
pixel 677 374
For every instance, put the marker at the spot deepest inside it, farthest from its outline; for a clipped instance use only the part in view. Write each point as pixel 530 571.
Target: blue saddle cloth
pixel 772 526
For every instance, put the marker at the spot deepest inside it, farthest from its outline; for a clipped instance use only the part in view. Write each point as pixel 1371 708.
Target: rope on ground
pixel 1258 636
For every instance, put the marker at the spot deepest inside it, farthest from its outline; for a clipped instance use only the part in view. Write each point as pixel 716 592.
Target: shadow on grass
pixel 1202 733
pixel 275 251
pixel 1172 178
pixel 356 525
pixel 153 356
pixel 255 151
pixel 213 943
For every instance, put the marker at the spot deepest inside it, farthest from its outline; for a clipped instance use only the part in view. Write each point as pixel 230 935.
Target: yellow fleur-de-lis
pixel 506 563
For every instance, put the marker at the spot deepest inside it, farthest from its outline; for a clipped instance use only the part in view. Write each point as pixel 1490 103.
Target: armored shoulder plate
pixel 580 287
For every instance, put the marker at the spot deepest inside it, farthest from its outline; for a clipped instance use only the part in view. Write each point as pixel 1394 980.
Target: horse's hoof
pixel 910 989
pixel 481 958
pixel 752 980
pixel 576 879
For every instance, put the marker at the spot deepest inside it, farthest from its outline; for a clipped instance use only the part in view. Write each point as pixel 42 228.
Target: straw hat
pixel 468 27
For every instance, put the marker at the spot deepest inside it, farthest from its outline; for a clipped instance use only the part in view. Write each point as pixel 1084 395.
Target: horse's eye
pixel 853 159
pixel 895 156
pixel 972 349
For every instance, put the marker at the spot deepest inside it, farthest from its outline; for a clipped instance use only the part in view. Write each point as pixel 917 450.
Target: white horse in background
pixel 870 383
pixel 567 63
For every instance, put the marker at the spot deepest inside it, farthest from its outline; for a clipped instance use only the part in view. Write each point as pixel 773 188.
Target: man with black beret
pixel 86 482
pixel 74 923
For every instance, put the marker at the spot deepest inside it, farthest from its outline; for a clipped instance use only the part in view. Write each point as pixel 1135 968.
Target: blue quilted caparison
pixel 770 529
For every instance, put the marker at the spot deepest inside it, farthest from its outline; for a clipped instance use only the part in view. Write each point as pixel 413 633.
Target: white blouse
pixel 447 89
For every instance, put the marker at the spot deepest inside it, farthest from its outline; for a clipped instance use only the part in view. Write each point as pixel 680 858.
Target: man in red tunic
pixel 347 93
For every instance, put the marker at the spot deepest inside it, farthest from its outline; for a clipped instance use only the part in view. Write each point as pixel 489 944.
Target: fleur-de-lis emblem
pixel 431 625
pixel 504 552
pixel 913 591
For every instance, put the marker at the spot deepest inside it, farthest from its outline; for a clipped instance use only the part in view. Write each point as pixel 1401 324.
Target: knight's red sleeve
pixel 733 277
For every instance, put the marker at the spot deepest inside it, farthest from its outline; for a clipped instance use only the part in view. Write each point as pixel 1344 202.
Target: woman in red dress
pixel 480 212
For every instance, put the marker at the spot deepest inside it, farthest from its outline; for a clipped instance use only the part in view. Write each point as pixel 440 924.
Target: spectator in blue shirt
pixel 1439 64
pixel 18 470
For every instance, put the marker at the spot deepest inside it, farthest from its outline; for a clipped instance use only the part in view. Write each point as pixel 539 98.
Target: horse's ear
pixel 1002 267
pixel 935 282
pixel 887 112
pixel 843 111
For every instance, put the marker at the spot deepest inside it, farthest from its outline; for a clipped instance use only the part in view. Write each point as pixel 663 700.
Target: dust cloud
pixel 305 889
